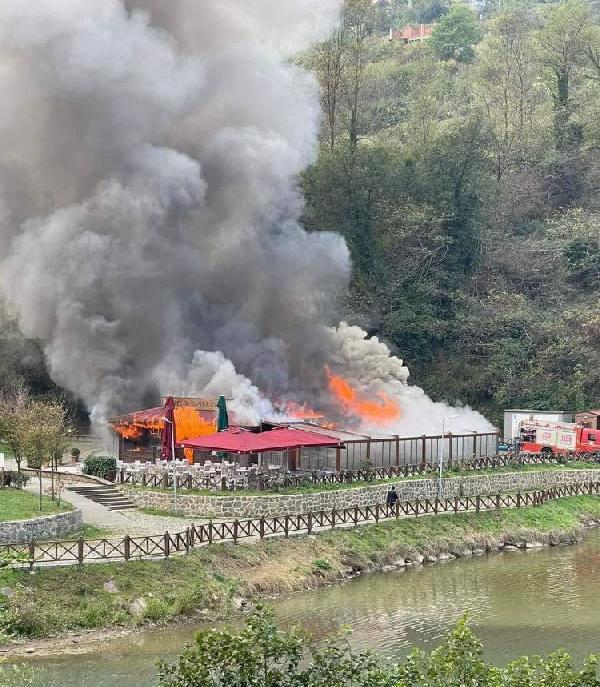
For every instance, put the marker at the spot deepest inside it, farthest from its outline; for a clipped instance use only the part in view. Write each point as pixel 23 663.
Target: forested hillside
pixel 464 172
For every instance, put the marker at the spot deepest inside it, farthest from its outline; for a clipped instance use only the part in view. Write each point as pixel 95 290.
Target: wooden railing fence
pixel 199 482
pixel 80 551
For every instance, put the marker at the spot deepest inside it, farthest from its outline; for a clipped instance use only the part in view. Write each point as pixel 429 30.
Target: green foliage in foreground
pixel 260 656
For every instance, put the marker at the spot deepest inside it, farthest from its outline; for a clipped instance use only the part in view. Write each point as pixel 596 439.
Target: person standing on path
pixel 392 497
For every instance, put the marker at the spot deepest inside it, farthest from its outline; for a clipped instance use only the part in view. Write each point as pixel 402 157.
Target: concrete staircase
pixel 105 495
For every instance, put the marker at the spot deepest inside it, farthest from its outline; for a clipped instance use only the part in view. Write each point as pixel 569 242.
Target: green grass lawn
pixel 17 504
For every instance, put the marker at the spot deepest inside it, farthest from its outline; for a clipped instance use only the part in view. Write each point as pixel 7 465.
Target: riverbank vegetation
pixel 260 656
pixel 210 582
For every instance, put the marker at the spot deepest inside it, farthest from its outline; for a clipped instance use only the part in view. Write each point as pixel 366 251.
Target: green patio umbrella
pixel 223 418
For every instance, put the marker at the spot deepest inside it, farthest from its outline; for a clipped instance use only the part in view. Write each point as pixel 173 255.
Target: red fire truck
pixel 558 438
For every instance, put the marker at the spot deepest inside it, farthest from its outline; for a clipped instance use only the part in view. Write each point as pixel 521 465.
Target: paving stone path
pixel 133 522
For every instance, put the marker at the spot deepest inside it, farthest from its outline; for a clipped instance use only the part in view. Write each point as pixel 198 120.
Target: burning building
pixel 139 433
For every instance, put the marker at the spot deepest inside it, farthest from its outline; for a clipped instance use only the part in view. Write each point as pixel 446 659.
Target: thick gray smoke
pixel 149 203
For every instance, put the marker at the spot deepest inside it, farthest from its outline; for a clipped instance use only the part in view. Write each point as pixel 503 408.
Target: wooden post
pixel 333 518
pixel 474 444
pixel 127 547
pixel 338 459
pixel 477 503
pixel 167 541
pixel 236 534
pixel 210 532
pixel 309 523
pixel 187 540
pixel 397 441
pixel 368 450
pixel 377 512
pixel 286 526
pixel 423 451
pixel 80 551
pixel 261 527
pixel 31 554
pixel 450 451
pixel 519 500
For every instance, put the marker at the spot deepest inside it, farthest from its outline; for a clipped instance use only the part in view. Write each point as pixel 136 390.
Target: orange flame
pixel 190 423
pixel 300 411
pixel 383 409
pixel 128 431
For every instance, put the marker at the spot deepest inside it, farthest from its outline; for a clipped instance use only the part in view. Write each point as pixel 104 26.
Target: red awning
pixel 236 440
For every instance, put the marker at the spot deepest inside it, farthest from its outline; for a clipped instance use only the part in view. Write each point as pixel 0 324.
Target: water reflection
pixel 522 602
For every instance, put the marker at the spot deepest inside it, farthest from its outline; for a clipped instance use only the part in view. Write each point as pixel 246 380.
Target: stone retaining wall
pixel 49 527
pixel 238 505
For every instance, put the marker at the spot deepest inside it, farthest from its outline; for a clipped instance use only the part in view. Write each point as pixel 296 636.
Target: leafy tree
pixel 257 656
pixel 455 34
pixel 357 25
pixel 45 429
pixel 562 43
pixel 13 404
pixel 328 62
pixel 504 85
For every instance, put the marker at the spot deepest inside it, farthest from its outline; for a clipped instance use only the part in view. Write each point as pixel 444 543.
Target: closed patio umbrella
pixel 223 417
pixel 169 431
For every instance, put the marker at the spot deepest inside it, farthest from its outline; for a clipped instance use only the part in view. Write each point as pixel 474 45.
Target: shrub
pixel 75 453
pixel 15 479
pixel 259 655
pixel 321 564
pixel 100 466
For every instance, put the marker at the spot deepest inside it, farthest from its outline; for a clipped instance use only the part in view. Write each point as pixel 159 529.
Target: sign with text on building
pixel 196 403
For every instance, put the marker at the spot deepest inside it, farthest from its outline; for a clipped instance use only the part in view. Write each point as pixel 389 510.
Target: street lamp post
pixel 166 419
pixel 441 466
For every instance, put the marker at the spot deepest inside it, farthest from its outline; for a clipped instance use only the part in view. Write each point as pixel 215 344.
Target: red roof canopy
pixel 236 440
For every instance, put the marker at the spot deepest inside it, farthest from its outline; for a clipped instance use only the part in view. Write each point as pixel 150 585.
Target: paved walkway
pixel 133 522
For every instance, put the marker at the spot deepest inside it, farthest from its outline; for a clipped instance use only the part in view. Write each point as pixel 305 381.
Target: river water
pixel 523 602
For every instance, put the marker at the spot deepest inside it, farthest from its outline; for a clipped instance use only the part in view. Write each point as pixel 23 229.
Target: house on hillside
pixel 411 33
